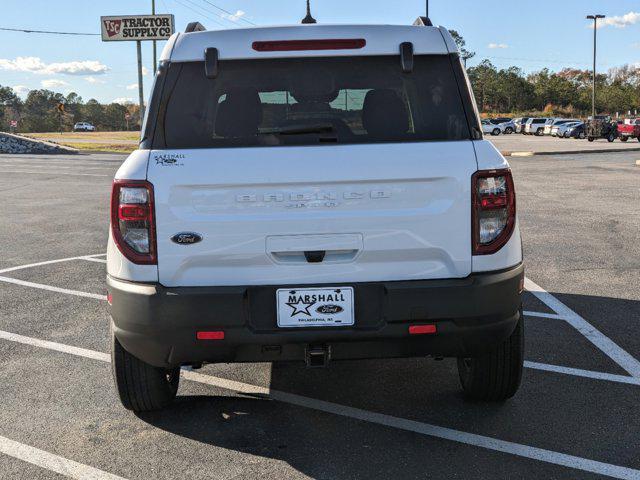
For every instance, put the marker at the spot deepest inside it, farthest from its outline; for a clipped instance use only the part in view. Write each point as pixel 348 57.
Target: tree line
pixel 568 91
pixel 40 112
pixel 497 91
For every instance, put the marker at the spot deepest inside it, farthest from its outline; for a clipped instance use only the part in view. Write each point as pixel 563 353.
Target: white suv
pixel 313 193
pixel 535 126
pixel 84 127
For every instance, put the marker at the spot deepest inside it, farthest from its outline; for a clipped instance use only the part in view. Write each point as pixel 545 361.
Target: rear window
pixel 311 101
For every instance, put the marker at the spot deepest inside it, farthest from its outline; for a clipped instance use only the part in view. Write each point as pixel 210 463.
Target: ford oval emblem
pixel 329 309
pixel 186 238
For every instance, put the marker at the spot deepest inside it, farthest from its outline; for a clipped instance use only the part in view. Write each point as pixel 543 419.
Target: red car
pixel 630 128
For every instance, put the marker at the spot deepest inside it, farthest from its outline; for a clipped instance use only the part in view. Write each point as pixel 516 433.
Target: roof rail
pixel 423 22
pixel 194 27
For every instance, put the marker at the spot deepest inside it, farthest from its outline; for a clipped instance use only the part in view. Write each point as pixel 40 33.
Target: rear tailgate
pixel 379 212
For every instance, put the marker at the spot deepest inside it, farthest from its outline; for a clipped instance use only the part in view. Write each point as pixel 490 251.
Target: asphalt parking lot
pixel 518 143
pixel 575 417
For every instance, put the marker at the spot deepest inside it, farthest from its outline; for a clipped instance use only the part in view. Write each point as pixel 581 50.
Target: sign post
pixel 137 28
pixel 155 57
pixel 140 87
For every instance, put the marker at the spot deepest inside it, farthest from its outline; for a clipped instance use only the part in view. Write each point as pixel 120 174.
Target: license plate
pixel 315 307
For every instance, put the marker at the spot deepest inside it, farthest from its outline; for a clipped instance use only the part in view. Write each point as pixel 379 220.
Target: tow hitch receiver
pixel 317 356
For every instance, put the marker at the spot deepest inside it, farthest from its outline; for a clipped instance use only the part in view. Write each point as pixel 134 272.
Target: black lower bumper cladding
pixel 471 315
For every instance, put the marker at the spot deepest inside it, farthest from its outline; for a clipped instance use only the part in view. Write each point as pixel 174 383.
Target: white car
pixel 301 194
pixel 496 126
pixel 491 128
pixel 535 126
pixel 556 122
pixel 84 127
pixel 563 130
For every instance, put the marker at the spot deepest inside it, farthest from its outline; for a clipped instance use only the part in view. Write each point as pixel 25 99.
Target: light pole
pixel 593 92
pixel 427 8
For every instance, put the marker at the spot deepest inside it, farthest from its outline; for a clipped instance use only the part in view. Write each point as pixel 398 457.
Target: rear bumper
pixel 159 324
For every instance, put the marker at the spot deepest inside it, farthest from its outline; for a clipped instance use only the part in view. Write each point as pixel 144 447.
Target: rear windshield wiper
pixel 299 129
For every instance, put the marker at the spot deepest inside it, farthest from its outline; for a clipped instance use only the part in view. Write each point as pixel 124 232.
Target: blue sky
pixel 550 34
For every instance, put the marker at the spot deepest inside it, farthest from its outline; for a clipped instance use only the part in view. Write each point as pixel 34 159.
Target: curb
pixel 570 152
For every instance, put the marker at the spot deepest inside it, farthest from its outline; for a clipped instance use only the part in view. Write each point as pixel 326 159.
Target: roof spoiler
pixel 423 22
pixel 194 27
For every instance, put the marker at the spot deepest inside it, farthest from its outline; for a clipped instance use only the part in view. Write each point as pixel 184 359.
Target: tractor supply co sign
pixel 136 27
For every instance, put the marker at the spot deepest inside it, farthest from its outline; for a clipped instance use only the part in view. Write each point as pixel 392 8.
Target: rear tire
pixel 540 132
pixel 495 376
pixel 508 131
pixel 624 139
pixel 496 132
pixel 591 139
pixel 141 387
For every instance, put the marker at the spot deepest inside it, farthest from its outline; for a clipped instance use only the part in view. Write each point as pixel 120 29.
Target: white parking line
pixel 52 462
pixel 543 315
pixel 51 288
pixel 92 259
pixel 600 340
pixel 489 443
pixel 578 372
pixel 49 262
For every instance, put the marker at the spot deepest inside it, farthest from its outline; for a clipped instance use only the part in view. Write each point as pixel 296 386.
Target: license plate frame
pixel 315 307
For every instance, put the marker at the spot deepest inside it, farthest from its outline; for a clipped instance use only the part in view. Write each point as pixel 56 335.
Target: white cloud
pixel 36 65
pixel 123 100
pixel 53 83
pixel 93 80
pixel 620 21
pixel 133 86
pixel 498 45
pixel 21 90
pixel 235 17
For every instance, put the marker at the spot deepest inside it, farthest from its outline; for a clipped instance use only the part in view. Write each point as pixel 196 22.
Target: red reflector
pixel 493 201
pixel 219 335
pixel 109 299
pixel 133 212
pixel 421 329
pixel 292 45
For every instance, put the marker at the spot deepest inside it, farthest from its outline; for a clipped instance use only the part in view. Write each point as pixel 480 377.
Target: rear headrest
pixel 240 114
pixel 384 114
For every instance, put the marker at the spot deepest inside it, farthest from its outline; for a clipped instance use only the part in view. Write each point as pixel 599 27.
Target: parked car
pixel 576 131
pixel 489 127
pixel 552 122
pixel 630 128
pixel 222 248
pixel 520 123
pixel 562 131
pixel 601 126
pixel 535 126
pixel 84 127
pixel 506 124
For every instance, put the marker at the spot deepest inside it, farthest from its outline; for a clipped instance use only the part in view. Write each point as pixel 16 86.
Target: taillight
pixel 493 210
pixel 132 222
